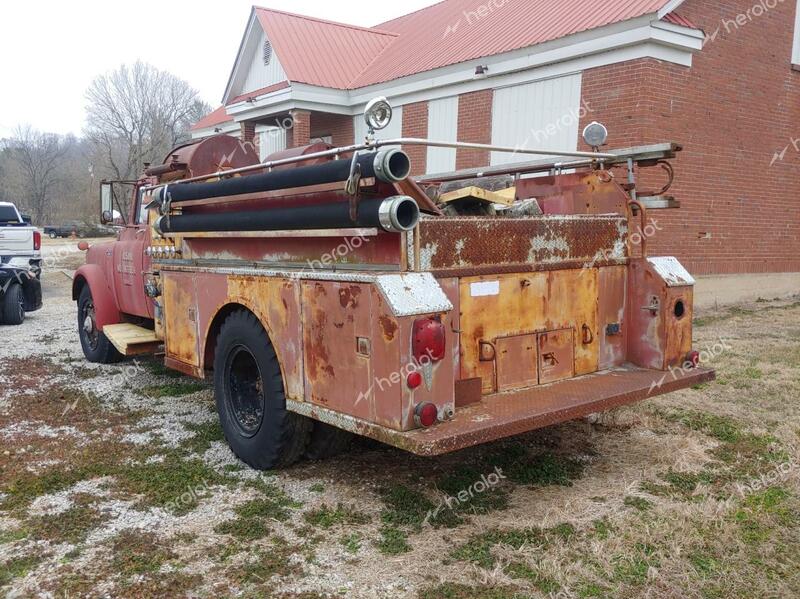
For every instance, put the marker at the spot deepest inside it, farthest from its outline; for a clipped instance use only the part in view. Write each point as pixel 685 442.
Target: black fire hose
pixel 390 166
pixel 395 214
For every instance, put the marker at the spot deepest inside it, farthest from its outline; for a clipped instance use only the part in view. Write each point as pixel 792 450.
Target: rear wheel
pixel 13 301
pixel 53 235
pixel 96 346
pixel 251 401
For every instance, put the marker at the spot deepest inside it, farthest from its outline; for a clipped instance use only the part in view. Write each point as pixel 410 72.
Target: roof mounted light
pixel 378 114
pixel 595 134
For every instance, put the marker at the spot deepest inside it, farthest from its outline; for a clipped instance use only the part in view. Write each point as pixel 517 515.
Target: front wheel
pixel 13 302
pixel 96 346
pixel 250 396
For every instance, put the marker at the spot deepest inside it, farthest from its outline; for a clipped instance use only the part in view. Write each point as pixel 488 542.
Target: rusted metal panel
pixel 580 193
pixel 556 355
pixel 660 317
pixel 525 244
pixel 335 315
pixel 508 414
pixel 517 363
pixel 309 252
pixel 522 304
pixel 612 323
pixel 180 318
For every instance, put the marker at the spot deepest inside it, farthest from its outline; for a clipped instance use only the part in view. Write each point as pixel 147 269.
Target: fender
pixel 105 306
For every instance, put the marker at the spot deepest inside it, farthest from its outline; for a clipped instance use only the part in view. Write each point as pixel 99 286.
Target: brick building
pixel 721 78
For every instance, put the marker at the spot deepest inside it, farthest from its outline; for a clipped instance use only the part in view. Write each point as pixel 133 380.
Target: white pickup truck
pixel 20 243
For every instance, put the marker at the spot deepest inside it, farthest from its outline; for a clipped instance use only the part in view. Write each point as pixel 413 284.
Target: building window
pixel 796 49
pixel 267 53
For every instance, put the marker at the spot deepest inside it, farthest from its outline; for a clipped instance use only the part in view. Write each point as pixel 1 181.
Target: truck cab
pixel 20 242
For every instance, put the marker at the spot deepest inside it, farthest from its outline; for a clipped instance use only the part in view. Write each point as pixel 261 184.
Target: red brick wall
pixel 339 126
pixel 415 124
pixel 474 125
pixel 732 110
pixel 300 133
pixel 248 131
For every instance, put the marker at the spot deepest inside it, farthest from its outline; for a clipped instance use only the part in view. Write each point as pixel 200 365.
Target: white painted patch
pixel 485 289
pixel 672 271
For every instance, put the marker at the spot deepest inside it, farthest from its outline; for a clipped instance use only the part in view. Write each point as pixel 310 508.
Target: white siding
pixel 442 126
pixel 393 131
pixel 539 115
pixel 796 51
pixel 259 75
pixel 270 140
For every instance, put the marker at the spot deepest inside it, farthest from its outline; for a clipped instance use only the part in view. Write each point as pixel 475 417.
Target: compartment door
pixel 517 364
pixel 556 356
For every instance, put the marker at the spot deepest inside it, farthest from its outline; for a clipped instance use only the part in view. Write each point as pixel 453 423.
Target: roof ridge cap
pixel 413 12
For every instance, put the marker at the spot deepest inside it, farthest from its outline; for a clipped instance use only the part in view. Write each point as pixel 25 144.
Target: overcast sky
pixel 51 50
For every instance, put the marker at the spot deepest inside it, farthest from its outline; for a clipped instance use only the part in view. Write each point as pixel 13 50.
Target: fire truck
pixel 328 293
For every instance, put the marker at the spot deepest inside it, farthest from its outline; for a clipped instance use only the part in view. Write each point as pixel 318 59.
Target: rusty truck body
pixel 327 292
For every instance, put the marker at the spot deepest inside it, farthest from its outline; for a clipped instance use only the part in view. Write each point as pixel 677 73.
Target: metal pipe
pixel 396 215
pixel 406 141
pixel 390 166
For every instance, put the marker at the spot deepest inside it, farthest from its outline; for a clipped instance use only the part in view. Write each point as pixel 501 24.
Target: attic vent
pixel 267 53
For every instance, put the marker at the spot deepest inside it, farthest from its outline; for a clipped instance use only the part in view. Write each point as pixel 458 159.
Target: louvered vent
pixel 267 53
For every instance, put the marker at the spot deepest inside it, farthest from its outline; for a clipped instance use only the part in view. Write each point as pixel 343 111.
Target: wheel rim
pixel 88 325
pixel 244 391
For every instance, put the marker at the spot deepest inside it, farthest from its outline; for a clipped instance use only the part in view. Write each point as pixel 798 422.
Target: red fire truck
pixel 329 293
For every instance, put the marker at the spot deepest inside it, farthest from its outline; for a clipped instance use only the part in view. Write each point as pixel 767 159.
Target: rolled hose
pixel 389 166
pixel 395 214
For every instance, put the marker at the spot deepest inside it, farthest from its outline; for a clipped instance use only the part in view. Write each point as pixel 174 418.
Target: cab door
pixel 131 264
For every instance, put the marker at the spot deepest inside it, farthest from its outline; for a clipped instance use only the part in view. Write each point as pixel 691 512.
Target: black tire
pixel 53 235
pixel 250 396
pixel 13 311
pixel 96 346
pixel 327 441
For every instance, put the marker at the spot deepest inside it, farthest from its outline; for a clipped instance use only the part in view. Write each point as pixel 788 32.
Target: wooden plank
pixel 132 340
pixel 505 197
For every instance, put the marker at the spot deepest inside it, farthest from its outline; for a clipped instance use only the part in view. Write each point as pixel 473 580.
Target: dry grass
pixel 133 493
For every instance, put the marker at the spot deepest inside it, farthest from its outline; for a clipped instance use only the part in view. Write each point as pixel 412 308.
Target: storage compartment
pixel 516 362
pixel 556 356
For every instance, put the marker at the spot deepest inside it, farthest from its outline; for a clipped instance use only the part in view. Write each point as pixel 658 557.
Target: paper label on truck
pixel 485 289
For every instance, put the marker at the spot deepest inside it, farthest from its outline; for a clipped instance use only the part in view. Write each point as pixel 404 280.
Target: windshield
pixel 8 215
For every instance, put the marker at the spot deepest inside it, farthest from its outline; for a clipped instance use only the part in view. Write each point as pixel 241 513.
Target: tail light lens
pixel 426 414
pixel 37 241
pixel 428 342
pixel 694 358
pixel 414 380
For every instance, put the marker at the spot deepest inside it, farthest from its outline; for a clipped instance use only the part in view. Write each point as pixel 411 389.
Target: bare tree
pixel 136 115
pixel 38 159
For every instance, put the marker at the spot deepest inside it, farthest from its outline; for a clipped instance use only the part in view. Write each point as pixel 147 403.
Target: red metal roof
pixel 677 19
pixel 321 52
pixel 212 119
pixel 457 31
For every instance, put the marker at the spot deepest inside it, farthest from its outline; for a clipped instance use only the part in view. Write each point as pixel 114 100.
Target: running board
pixel 131 340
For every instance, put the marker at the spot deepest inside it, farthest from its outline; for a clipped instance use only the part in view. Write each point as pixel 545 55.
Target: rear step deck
pixel 132 340
pixel 507 414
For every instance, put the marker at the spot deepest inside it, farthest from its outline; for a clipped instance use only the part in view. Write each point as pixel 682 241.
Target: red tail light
pixel 414 380
pixel 694 358
pixel 426 414
pixel 428 340
pixel 37 241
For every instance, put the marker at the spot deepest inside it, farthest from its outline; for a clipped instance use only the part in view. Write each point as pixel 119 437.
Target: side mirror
pixel 106 203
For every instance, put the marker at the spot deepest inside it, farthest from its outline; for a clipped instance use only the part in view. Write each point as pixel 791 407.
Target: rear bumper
pixel 508 414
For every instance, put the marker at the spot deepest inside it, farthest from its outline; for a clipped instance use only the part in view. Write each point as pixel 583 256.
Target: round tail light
pixel 426 414
pixel 428 341
pixel 414 380
pixel 694 358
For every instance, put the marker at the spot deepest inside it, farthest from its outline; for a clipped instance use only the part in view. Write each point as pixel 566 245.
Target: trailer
pixel 329 293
